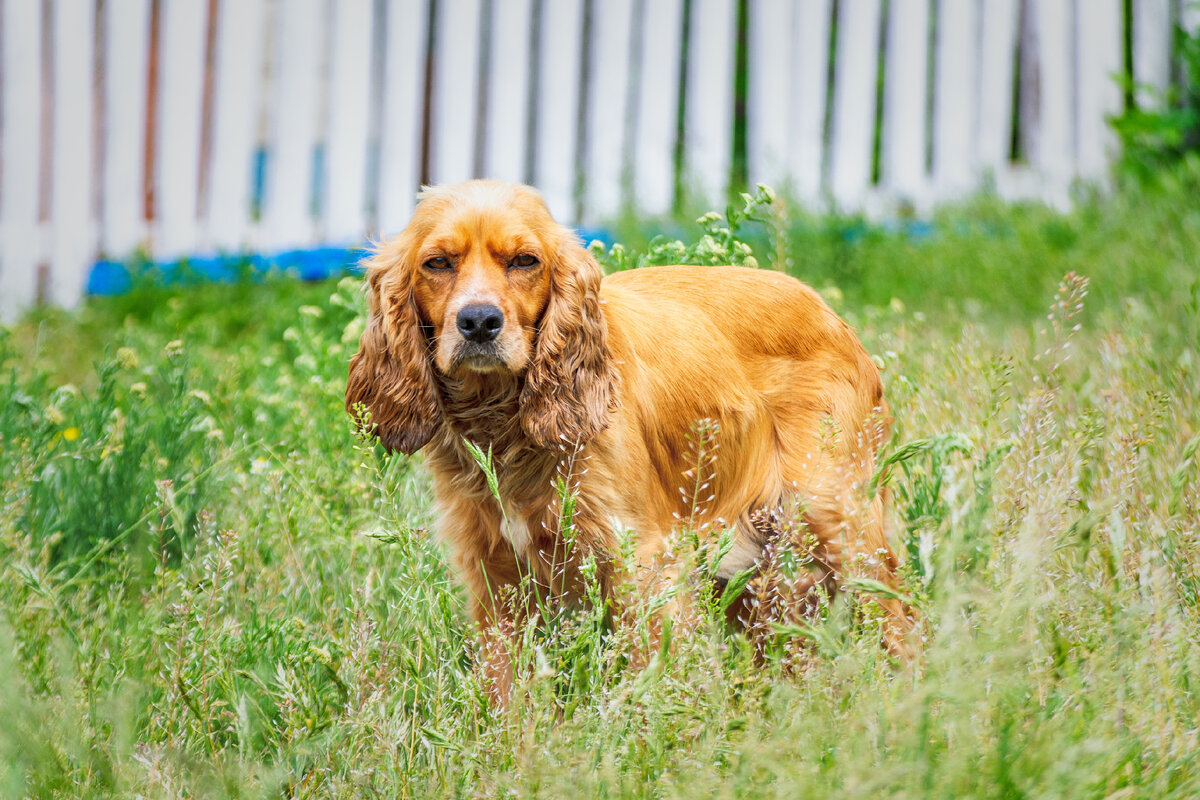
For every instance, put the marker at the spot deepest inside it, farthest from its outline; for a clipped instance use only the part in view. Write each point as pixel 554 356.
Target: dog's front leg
pixel 489 572
pixel 654 603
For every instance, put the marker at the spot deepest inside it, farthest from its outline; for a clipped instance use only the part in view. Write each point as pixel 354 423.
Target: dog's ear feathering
pixel 569 389
pixel 392 373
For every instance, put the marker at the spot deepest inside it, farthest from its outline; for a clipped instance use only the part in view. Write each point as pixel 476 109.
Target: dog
pixel 490 324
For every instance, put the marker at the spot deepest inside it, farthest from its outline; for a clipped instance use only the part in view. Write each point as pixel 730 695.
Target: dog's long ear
pixel 392 373
pixel 570 384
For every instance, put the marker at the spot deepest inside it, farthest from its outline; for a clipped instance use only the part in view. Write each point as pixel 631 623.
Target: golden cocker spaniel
pixel 489 323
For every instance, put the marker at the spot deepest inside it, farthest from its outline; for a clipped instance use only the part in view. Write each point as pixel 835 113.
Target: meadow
pixel 211 587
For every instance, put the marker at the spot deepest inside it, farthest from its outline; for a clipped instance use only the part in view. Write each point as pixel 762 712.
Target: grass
pixel 210 588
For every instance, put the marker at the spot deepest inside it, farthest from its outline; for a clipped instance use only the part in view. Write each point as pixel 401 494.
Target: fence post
pixel 400 127
pixel 72 218
pixel 708 135
pixel 556 146
pixel 852 142
pixel 179 102
pixel 956 96
pixel 126 49
pixel 237 93
pixel 608 108
pixel 658 105
pixel 20 155
pixel 906 102
pixel 288 218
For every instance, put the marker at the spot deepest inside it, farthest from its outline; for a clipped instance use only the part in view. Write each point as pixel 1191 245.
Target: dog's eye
pixel 437 263
pixel 525 261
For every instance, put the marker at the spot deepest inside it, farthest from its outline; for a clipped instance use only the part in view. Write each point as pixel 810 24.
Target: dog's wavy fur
pixel 608 377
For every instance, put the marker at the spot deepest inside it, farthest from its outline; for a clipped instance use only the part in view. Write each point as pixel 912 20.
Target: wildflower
pixel 138 388
pixel 71 434
pixel 174 348
pixel 55 416
pixel 258 466
pixel 201 395
pixel 311 311
pixel 127 358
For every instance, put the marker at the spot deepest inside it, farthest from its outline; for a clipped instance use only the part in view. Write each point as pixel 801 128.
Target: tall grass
pixel 210 587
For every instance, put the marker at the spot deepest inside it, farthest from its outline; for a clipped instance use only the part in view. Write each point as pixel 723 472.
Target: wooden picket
pixel 956 93
pixel 997 55
pixel 122 208
pixel 659 33
pixel 201 127
pixel 906 102
pixel 344 179
pixel 400 99
pixel 455 90
pixel 20 155
pixel 708 132
pixel 853 132
pixel 557 97
pixel 770 82
pixel 810 100
pixel 608 113
pixel 1099 93
pixel 179 102
pixel 237 91
pixel 507 98
pixel 295 75
pixel 72 225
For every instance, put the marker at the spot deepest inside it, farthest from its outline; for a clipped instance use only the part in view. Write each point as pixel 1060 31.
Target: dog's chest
pixel 515 528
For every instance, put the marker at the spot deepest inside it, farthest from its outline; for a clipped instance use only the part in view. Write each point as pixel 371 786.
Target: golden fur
pixel 611 375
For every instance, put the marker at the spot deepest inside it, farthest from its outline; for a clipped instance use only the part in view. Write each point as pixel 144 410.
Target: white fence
pixel 175 127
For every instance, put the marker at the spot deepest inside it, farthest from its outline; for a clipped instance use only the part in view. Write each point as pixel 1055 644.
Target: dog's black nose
pixel 480 323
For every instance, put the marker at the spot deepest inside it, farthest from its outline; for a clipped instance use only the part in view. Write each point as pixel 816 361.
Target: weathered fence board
pixel 659 34
pixel 123 206
pixel 1054 156
pixel 1151 47
pixel 557 100
pixel 295 81
pixel 770 80
pixel 1098 91
pixel 608 111
pixel 343 206
pixel 708 134
pixel 997 55
pixel 401 101
pixel 852 142
pixel 72 225
pixel 178 100
pixel 20 154
pixel 956 92
pixel 810 99
pixel 906 101
pixel 456 90
pixel 237 90
pixel 508 70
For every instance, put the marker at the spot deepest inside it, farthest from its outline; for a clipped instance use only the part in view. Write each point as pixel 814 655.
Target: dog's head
pixel 483 280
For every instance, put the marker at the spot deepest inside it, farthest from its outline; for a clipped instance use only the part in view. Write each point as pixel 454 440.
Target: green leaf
pixel 733 589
